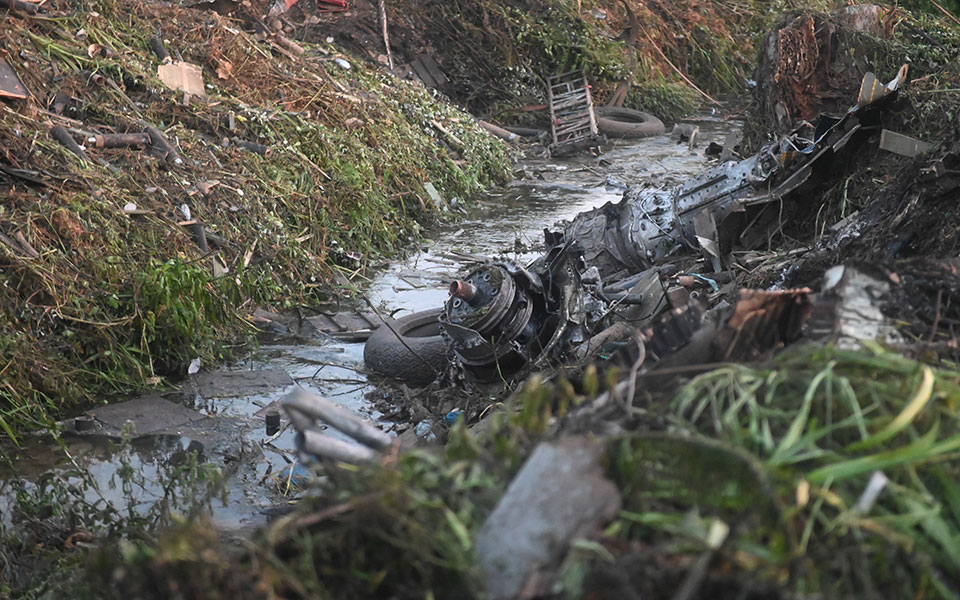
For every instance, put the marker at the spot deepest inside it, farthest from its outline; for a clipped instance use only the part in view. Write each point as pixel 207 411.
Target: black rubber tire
pixel 628 123
pixel 386 355
pixel 525 131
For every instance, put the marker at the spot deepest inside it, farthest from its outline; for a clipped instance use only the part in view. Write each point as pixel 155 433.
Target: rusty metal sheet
pixel 10 84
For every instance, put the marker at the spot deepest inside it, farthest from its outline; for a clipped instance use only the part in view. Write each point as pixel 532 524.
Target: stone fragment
pixel 559 494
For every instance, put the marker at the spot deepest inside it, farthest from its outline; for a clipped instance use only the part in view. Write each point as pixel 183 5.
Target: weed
pixel 115 300
pixel 668 101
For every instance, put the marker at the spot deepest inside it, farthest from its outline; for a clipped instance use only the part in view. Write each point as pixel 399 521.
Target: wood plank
pixel 423 73
pixel 435 71
pixel 348 326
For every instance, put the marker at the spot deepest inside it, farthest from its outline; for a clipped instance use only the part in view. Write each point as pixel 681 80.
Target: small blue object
pixel 298 475
pixel 424 429
pixel 707 280
pixel 452 416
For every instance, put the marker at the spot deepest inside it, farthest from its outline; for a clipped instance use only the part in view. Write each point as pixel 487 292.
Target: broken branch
pixel 945 11
pixel 60 134
pixel 674 67
pixel 27 7
pixel 289 45
pixel 157 46
pixel 251 146
pixel 162 147
pixel 29 249
pixel 382 9
pixel 497 131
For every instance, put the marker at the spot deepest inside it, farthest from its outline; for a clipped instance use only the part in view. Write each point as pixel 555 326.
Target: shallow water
pixel 509 222
pixel 101 471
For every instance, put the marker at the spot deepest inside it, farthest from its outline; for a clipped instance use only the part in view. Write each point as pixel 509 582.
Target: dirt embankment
pixel 292 162
pixel 872 205
pixel 298 160
pixel 495 56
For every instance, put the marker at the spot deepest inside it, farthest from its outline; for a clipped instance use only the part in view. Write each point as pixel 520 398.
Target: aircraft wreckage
pixel 606 266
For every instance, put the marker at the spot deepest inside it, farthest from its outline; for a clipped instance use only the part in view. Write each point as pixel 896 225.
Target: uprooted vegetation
pixel 498 55
pixel 873 205
pixel 103 287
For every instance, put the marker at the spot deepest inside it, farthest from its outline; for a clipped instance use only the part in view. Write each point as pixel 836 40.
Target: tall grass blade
pixel 920 450
pixel 794 433
pixel 906 416
pixel 6 428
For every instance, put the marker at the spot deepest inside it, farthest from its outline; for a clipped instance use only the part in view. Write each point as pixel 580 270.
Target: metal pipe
pixel 61 135
pixel 162 146
pixel 118 140
pixel 156 44
pixel 337 417
pixel 93 77
pixel 463 289
pixel 301 421
pixel 324 446
pixel 272 419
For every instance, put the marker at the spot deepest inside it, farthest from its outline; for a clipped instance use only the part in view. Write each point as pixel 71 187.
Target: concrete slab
pixel 234 384
pixel 149 414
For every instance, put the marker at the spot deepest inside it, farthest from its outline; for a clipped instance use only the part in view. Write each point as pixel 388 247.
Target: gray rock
pixel 559 494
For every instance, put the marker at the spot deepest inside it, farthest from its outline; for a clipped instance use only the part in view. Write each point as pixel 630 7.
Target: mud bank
pixel 284 168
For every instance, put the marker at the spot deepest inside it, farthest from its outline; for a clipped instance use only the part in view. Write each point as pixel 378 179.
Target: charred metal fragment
pixel 649 225
pixel 490 319
pixel 600 284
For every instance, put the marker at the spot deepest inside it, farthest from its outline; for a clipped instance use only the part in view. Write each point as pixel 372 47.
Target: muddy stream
pixel 221 412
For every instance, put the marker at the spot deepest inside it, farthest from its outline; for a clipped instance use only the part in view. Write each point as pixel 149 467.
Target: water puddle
pixel 101 475
pixel 510 221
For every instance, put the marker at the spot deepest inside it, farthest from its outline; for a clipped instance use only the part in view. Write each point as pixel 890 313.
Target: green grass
pixel 114 302
pixel 762 467
pixel 824 420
